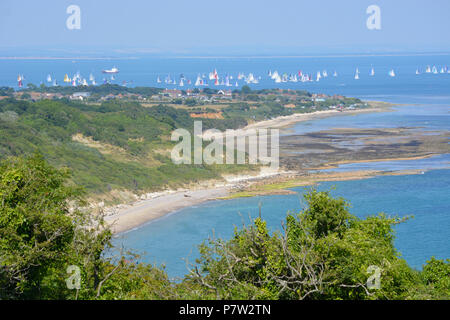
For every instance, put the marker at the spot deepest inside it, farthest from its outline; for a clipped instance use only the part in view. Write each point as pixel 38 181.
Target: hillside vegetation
pixel 322 252
pixel 113 145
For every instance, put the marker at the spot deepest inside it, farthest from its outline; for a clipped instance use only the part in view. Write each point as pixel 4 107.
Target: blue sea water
pixel 173 239
pixel 144 72
pixel 426 105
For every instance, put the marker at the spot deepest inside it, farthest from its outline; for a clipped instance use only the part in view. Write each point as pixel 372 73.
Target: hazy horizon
pixel 283 28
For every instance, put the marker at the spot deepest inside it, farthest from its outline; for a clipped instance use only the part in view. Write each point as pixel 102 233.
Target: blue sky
pixel 224 27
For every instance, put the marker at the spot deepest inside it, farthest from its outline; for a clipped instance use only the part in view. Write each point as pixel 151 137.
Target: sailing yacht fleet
pixel 213 78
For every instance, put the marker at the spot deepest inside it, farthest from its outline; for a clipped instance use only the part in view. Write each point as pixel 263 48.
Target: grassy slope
pixel 128 148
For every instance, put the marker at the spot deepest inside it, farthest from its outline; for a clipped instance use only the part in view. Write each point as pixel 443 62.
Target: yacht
pixel 112 70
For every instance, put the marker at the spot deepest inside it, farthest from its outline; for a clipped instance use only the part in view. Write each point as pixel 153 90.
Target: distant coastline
pixel 68 58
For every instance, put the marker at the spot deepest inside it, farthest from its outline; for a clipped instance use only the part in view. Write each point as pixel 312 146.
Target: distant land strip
pixel 69 58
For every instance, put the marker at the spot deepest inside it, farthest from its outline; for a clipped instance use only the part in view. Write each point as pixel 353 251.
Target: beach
pixel 157 205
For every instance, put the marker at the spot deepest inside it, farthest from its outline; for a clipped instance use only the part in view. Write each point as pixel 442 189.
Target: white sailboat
pixel 181 83
pixel 335 74
pixel 49 78
pixel 434 70
pixel 372 72
pixel 91 77
pixel 275 75
pixel 325 73
pixel 357 74
pixel 213 75
pixel 199 81
pixel 392 73
pixel 417 71
pixel 428 70
pixel 277 78
pixel 318 76
pixel 227 81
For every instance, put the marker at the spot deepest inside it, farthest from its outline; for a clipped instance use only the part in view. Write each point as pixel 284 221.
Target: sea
pixel 423 103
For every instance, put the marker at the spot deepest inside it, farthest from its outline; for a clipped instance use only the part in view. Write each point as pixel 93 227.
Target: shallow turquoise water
pixel 426 196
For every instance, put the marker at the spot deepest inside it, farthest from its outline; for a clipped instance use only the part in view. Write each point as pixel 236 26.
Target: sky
pixel 222 27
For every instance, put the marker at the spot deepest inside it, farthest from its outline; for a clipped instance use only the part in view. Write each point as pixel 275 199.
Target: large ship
pixel 112 70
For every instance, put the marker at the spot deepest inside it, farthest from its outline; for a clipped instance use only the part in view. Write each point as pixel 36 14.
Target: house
pixel 80 95
pixel 172 93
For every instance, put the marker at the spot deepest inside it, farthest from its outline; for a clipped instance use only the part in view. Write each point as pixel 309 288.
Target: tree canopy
pixel 322 252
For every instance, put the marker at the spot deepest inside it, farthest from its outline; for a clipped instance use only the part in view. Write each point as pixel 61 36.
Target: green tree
pixel 324 252
pixel 40 236
pixel 246 89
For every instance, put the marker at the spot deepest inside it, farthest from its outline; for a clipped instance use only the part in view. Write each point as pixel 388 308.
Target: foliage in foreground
pixel 323 252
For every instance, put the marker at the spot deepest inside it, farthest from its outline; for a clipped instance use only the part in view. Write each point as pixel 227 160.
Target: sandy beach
pixel 125 218
pixel 152 209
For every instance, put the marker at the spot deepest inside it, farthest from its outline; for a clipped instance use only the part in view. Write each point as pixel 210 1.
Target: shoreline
pixel 142 212
pixel 127 217
pixel 287 121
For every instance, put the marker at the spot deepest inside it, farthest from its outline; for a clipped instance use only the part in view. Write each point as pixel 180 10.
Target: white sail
pixel 181 83
pixel 250 78
pixel 318 76
pixel 392 73
pixel 417 71
pixel 275 75
pixel 198 82
pixel 372 72
pixel 49 78
pixel 428 70
pixel 335 74
pixel 277 78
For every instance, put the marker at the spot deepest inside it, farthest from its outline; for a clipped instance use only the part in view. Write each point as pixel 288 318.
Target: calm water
pixel 425 196
pixel 145 71
pixel 427 105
